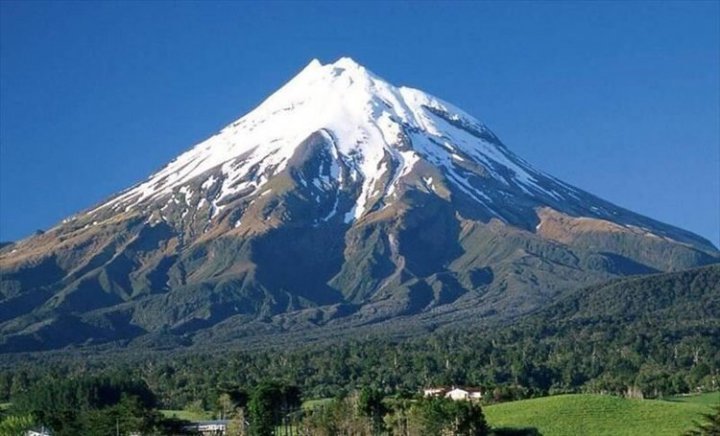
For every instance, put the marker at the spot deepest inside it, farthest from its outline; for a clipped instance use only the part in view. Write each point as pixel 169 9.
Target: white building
pixel 457 394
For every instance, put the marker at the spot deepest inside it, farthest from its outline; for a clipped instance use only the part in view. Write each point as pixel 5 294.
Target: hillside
pixel 597 415
pixel 673 306
pixel 681 302
pixel 583 343
pixel 685 297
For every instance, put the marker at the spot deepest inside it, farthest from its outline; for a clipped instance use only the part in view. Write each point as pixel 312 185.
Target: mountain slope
pixel 691 296
pixel 341 197
pixel 676 307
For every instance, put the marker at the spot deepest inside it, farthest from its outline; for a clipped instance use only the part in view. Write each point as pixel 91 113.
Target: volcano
pixel 341 201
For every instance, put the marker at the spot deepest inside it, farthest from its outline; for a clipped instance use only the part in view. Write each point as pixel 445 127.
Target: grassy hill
pixel 593 415
pixel 710 398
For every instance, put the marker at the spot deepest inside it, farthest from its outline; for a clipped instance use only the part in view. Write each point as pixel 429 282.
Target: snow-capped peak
pixel 367 118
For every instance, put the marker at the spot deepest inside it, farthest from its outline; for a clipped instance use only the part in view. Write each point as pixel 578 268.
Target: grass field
pixel 591 415
pixel 710 398
pixel 189 416
pixel 311 404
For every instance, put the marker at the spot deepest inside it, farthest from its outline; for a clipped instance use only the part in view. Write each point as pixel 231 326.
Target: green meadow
pixel 709 398
pixel 187 415
pixel 571 415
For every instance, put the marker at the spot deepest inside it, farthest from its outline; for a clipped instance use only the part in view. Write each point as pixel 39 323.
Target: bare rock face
pixel 340 201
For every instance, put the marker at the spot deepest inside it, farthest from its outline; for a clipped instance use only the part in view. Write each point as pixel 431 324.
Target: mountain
pixel 340 200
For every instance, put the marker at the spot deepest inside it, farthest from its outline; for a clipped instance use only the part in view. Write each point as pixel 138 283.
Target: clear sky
pixel 621 99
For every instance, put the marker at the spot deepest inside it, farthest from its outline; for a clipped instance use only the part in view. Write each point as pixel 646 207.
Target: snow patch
pixel 207 184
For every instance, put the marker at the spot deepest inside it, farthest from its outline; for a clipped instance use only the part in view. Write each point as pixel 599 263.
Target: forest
pixel 646 338
pixel 100 406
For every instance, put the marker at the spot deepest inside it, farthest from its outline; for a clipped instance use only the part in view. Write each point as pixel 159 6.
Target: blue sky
pixel 621 99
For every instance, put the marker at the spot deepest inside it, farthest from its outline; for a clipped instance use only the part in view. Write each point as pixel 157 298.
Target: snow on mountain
pixel 364 117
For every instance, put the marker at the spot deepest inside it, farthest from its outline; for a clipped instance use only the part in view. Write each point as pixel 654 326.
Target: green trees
pixel 368 413
pixel 90 406
pixel 129 415
pixel 340 416
pixel 225 405
pixel 262 410
pixel 15 424
pixel 270 405
pixel 660 339
pixel 524 360
pixel 370 404
pixel 100 406
pixel 440 416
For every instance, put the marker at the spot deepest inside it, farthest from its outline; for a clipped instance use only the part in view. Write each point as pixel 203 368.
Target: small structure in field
pixel 454 393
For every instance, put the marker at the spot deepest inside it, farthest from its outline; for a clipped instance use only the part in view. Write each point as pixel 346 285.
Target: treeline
pixel 275 409
pixel 92 406
pixel 654 336
pixel 369 413
pixel 519 362
pixel 113 405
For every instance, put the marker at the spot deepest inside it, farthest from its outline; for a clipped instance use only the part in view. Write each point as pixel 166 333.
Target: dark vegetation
pixel 651 336
pixel 91 406
pixel 109 405
pixel 660 334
